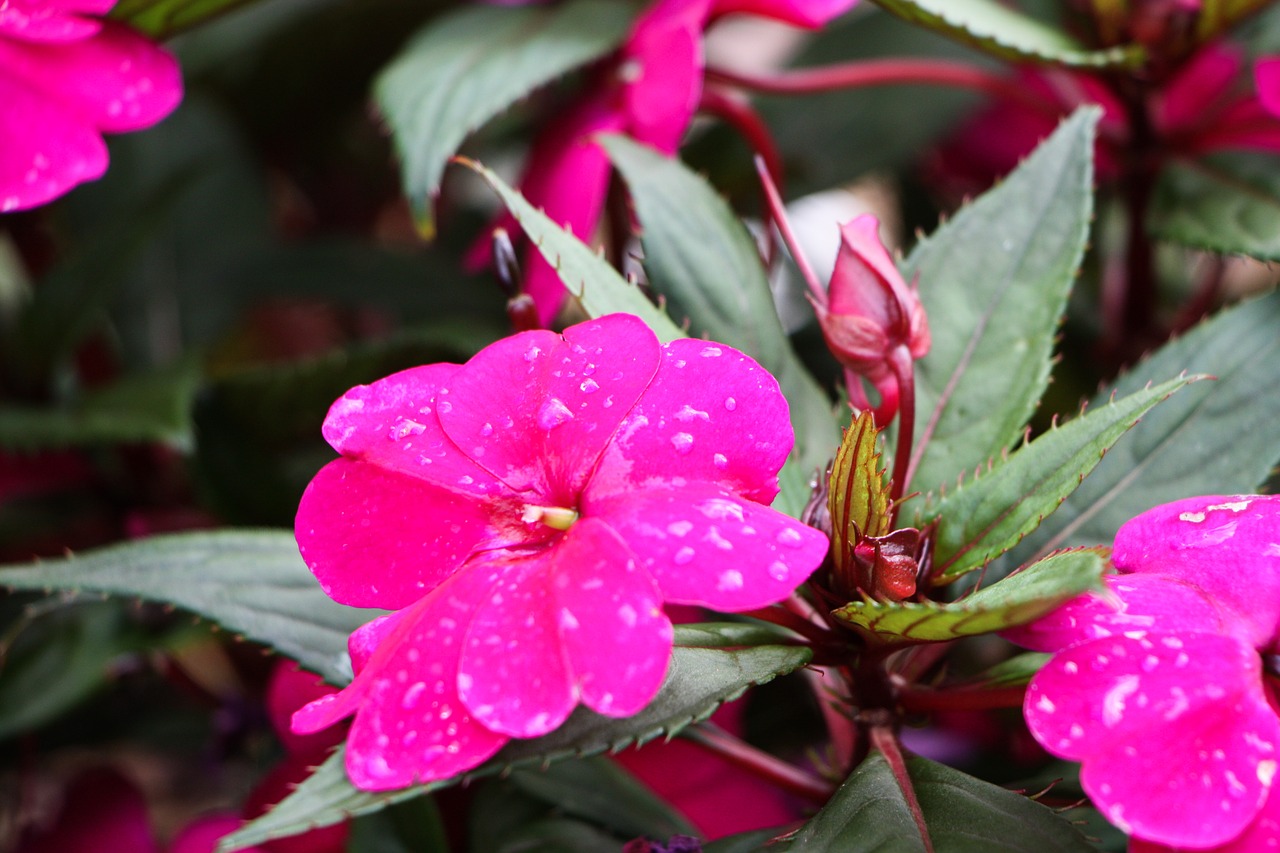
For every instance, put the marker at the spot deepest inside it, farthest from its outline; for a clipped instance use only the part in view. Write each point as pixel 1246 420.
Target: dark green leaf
pixel 990 514
pixel 410 827
pixel 700 256
pixel 587 276
pixel 1015 671
pixel 1228 204
pixel 699 681
pixel 963 814
pixel 1005 32
pixel 151 407
pixel 558 835
pixel 1216 437
pixel 252 582
pixel 994 281
pixel 1018 599
pixel 464 69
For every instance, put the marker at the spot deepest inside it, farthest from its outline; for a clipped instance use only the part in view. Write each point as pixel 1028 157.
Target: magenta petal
pixel 379 538
pixel 411 726
pixel 1199 696
pixel 513 675
pixel 1259 837
pixel 1266 74
pixel 616 637
pixel 711 414
pixel 1229 546
pixel 47 148
pixel 707 546
pixel 665 52
pixel 117 80
pixel 1200 85
pixel 45 21
pixel 1132 603
pixel 537 409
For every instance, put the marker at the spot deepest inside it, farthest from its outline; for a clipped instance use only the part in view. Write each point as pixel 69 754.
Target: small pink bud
pixel 870 313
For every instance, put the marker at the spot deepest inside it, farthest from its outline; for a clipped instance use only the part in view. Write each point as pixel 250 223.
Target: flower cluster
pixel 1176 653
pixel 526 515
pixel 65 79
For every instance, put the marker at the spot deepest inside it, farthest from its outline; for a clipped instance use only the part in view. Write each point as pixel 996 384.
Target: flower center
pixel 557 517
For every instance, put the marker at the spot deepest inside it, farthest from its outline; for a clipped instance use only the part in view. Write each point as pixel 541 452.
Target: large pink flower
pixel 649 91
pixel 526 515
pixel 1159 686
pixel 65 79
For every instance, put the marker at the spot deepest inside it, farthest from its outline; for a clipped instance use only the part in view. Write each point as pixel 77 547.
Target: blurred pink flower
pixel 65 79
pixel 648 91
pixel 1207 105
pixel 1173 655
pixel 526 515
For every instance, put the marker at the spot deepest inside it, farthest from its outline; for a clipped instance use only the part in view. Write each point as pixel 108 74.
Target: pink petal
pixel 710 547
pixel 609 611
pixel 1229 546
pixel 866 279
pixel 711 414
pixel 48 21
pixel 1135 603
pixel 1200 85
pixel 662 62
pixel 1198 696
pixel 802 13
pixel 203 835
pixel 537 409
pixel 116 80
pixel 513 675
pixel 47 150
pixel 289 689
pixel 1259 837
pixel 379 538
pixel 102 812
pixel 568 178
pixel 411 725
pixel 1266 74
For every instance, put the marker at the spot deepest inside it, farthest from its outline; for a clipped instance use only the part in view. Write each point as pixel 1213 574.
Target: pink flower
pixel 65 79
pixel 526 515
pixel 1159 686
pixel 649 91
pixel 870 317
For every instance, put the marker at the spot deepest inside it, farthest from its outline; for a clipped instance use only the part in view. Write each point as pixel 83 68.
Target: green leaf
pixel 252 582
pixel 464 69
pixel 1014 672
pixel 963 814
pixel 990 514
pixel 412 827
pixel 587 276
pixel 149 407
pixel 1216 437
pixel 698 681
pixel 1007 33
pixel 703 260
pixel 162 19
pixel 994 282
pixel 1018 599
pixel 1217 15
pixel 1228 204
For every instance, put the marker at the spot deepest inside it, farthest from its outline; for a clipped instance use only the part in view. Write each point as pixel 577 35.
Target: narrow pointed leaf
pixel 964 815
pixel 251 582
pixel 699 681
pixel 1003 31
pixel 1215 437
pixel 1016 600
pixel 989 515
pixel 703 260
pixel 994 281
pixel 1228 204
pixel 464 69
pixel 857 494
pixel 587 276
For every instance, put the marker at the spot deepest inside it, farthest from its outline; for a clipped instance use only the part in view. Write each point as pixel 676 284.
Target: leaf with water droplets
pixel 711 664
pixel 1016 600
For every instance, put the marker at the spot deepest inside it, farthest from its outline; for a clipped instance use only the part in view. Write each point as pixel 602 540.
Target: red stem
pixel 915 700
pixel 770 768
pixel 778 213
pixel 883 739
pixel 883 72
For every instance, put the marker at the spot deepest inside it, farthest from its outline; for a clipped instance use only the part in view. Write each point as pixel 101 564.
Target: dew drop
pixel 486 430
pixel 778 570
pixel 589 386
pixel 532 353
pixel 720 461
pixel 588 370
pixel 628 615
pixel 790 537
pixel 688 413
pixel 405 427
pixel 711 352
pixel 682 442
pixel 412 696
pixel 444 406
pixel 730 581
pixel 679 528
pixel 684 556
pixel 730 403
pixel 553 413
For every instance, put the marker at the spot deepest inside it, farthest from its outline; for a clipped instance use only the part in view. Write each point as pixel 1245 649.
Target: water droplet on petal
pixel 711 352
pixel 684 556
pixel 444 406
pixel 688 413
pixel 588 370
pixel 553 413
pixel 778 570
pixel 628 615
pixel 729 581
pixel 589 386
pixel 406 427
pixel 412 696
pixel 730 403
pixel 486 430
pixel 532 353
pixel 682 442
pixel 790 536
pixel 679 528
pixel 720 461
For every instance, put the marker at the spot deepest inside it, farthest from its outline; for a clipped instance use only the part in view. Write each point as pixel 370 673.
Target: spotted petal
pixel 711 414
pixel 411 726
pixel 1198 696
pixel 710 547
pixel 1229 546
pixel 537 409
pixel 1260 836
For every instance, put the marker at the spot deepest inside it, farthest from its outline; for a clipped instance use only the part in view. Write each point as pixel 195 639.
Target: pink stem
pixel 758 762
pixel 904 373
pixel 883 72
pixel 779 213
pixel 883 739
